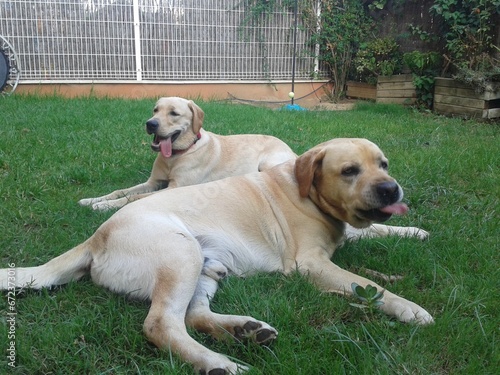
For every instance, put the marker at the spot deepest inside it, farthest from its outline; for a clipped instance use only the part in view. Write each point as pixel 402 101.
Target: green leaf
pixel 359 291
pixel 379 295
pixel 371 291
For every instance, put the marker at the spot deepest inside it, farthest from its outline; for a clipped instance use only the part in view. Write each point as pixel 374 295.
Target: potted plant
pixel 471 75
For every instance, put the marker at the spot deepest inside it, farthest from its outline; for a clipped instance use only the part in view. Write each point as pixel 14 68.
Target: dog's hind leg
pixel 165 324
pixel 200 317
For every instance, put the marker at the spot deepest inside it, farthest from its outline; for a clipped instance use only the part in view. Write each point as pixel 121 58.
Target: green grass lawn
pixel 56 151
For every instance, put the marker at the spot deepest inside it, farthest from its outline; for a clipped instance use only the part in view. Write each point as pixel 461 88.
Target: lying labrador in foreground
pixel 189 155
pixel 173 246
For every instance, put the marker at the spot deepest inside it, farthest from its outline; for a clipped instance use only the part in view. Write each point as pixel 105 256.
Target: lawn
pixel 55 151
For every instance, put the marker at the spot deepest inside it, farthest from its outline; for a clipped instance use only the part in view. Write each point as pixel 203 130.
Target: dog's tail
pixel 69 266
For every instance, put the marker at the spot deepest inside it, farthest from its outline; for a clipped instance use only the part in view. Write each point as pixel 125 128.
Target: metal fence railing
pixel 152 40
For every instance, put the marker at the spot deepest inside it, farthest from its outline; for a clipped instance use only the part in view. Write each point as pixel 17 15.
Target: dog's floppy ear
pixel 198 115
pixel 305 168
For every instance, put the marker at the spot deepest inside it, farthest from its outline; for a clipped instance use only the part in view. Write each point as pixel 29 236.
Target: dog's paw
pixel 408 312
pixel 86 202
pixel 231 369
pixel 214 269
pixel 422 234
pixel 421 317
pixel 258 332
pixel 417 233
pixel 102 206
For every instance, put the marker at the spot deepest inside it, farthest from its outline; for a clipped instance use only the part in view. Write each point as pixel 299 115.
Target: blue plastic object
pixel 293 107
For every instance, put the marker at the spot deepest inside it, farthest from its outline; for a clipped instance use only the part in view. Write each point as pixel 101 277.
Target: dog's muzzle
pixel 162 144
pixel 388 192
pixel 387 200
pixel 152 126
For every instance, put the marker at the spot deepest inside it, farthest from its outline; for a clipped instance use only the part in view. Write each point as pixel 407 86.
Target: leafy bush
pixel 421 63
pixel 424 66
pixel 469 37
pixel 380 57
pixel 343 26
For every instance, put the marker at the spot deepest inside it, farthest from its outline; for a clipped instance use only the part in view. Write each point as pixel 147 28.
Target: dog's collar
pixel 178 152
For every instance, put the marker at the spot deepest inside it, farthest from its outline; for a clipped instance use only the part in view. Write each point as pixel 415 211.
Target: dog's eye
pixel 350 171
pixel 384 165
pixel 173 113
pixel 155 110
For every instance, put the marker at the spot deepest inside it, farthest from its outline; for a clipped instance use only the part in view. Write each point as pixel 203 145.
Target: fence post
pixel 137 40
pixel 318 30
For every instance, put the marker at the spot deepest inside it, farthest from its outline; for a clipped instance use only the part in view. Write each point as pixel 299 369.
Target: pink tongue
pixel 166 147
pixel 395 209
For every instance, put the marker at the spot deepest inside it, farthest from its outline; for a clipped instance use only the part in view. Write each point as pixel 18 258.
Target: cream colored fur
pixel 173 246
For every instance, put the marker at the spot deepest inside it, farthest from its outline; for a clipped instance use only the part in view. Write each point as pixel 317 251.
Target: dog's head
pixel 175 124
pixel 348 180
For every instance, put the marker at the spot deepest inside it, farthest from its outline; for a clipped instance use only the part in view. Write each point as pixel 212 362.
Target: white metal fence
pixel 152 40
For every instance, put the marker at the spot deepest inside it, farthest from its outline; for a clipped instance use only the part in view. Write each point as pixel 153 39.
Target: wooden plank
pixel 492 95
pixel 362 93
pixel 461 89
pixel 459 101
pixel 398 89
pixel 396 86
pixel 396 93
pixel 492 113
pixel 395 78
pixel 359 84
pixel 361 90
pixel 455 110
pixel 454 97
pixel 449 82
pixel 460 92
pixel 406 101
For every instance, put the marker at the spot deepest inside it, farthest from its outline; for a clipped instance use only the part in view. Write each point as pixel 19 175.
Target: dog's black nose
pixel 388 192
pixel 152 126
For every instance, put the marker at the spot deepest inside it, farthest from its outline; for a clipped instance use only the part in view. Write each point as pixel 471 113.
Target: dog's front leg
pixel 381 230
pixel 331 278
pixel 120 198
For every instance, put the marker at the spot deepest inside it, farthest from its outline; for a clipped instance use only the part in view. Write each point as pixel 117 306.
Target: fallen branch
pixel 382 276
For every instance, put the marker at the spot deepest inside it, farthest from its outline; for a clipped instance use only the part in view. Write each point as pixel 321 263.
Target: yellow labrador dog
pixel 173 246
pixel 189 155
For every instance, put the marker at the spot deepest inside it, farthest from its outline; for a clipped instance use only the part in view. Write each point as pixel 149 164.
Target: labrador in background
pixel 173 246
pixel 189 155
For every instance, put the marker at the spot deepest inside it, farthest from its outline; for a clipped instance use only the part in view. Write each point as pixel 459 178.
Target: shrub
pixel 342 27
pixel 380 57
pixel 424 67
pixel 469 28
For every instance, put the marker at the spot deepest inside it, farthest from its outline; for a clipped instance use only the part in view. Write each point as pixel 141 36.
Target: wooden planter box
pixel 398 89
pixel 455 98
pixel 361 90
